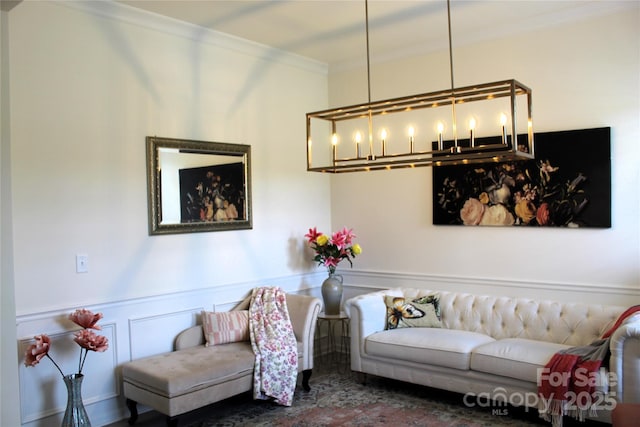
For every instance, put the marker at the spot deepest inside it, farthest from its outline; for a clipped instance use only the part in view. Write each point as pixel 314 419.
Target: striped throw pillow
pixel 225 327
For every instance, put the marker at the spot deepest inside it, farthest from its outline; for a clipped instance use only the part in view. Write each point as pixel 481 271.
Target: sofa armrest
pixel 367 315
pixel 190 337
pixel 303 312
pixel 625 360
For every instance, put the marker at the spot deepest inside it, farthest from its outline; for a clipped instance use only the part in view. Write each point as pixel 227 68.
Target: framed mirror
pixel 196 186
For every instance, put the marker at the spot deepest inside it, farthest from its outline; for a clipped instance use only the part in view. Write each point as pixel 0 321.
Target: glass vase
pixel 332 294
pixel 75 415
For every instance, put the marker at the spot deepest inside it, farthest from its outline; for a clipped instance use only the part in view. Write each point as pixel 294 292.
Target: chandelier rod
pixel 366 20
pixel 450 44
pixel 454 120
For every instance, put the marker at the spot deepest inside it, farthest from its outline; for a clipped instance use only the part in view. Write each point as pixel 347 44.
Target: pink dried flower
pixel 86 319
pixel 35 352
pixel 85 338
pixel 90 341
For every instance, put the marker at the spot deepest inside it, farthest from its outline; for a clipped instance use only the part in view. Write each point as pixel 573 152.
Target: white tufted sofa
pixel 490 347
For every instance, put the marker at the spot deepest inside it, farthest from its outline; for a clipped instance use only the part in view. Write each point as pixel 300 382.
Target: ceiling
pixel 333 31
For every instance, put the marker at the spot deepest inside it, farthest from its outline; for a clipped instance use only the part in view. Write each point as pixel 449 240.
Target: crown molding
pixel 7 5
pixel 124 13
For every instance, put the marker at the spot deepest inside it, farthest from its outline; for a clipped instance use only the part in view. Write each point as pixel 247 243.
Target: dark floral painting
pixel 212 193
pixel 567 185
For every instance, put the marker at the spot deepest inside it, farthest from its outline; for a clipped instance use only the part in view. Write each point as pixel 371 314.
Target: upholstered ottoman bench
pixel 195 375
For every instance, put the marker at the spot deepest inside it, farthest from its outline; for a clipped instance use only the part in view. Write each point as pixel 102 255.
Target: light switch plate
pixel 82 263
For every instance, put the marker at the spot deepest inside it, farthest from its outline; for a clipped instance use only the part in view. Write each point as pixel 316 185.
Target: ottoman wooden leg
pixel 306 374
pixel 133 409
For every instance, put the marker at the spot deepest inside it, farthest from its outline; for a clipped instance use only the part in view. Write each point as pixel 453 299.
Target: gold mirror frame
pixel 220 201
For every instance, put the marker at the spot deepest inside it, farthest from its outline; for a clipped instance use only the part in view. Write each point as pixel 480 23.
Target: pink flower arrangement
pixel 331 250
pixel 85 338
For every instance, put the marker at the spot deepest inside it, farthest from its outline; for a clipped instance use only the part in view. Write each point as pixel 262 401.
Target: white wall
pixel 86 90
pixel 89 81
pixel 583 74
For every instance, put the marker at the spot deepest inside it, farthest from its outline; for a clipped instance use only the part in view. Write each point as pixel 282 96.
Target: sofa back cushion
pixel 508 317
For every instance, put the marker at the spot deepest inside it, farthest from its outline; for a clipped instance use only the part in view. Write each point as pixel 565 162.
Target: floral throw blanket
pixel 274 345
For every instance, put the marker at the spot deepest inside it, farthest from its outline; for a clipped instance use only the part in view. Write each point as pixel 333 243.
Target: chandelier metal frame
pixel 442 153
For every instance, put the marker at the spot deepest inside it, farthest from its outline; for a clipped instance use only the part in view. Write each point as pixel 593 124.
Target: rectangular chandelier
pixel 424 130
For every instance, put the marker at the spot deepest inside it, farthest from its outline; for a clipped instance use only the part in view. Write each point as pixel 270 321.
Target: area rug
pixel 342 400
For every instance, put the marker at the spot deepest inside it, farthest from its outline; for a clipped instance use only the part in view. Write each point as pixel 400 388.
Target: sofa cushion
pixel 514 357
pixel 225 327
pixel 435 346
pixel 417 312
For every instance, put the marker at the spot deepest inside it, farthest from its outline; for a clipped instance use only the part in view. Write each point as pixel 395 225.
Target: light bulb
pixel 503 122
pixel 411 132
pixel 472 127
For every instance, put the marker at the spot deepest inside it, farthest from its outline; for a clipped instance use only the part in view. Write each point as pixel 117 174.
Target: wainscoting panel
pixel 135 328
pixel 146 326
pixel 143 337
pixel 227 306
pixel 42 390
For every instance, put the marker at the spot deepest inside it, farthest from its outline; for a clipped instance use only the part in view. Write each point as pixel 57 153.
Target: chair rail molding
pixel 579 292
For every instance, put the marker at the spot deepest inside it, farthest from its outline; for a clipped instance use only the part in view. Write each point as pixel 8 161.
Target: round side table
pixel 335 354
